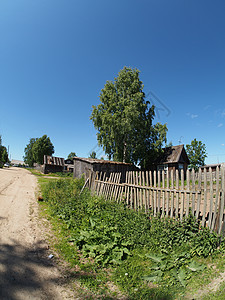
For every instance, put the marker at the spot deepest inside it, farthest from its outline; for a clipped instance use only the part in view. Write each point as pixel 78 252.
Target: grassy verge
pixel 115 252
pixel 57 174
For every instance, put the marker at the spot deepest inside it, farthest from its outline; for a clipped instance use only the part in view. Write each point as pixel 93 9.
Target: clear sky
pixel 56 56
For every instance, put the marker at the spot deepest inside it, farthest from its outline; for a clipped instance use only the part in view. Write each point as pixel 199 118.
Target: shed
pixel 53 164
pixel 212 166
pixel 172 158
pixel 83 165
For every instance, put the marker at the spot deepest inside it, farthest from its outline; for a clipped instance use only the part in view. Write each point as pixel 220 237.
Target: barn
pixel 83 165
pixel 53 164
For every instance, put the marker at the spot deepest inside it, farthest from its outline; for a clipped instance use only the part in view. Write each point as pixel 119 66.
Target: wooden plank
pixel 144 191
pixel 193 191
pixel 147 191
pixel 188 195
pixel 135 178
pixel 84 186
pixel 115 194
pixel 102 185
pixel 167 193
pixel 215 212
pixel 205 198
pixel 199 195
pixel 151 192
pixel 127 189
pixel 222 200
pixel 163 193
pixel 111 186
pixel 177 194
pixel 172 193
pixel 154 195
pixel 108 185
pixel 121 190
pixel 211 198
pixel 182 195
pixel 159 193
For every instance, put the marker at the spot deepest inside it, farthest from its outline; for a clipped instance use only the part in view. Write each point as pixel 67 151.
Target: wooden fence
pixel 171 194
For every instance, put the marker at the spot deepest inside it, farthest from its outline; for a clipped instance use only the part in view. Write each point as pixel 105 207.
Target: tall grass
pixel 149 257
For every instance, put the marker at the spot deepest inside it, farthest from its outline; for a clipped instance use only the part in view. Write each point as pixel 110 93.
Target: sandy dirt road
pixel 26 271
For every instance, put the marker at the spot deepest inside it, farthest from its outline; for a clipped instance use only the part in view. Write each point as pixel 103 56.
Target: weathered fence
pixel 171 194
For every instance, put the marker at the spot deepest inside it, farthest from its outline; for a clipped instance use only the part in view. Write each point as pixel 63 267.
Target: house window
pixel 162 168
pixel 180 166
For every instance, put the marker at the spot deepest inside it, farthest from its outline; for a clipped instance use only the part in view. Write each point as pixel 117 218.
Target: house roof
pixel 212 165
pixel 100 161
pixel 173 154
pixel 52 160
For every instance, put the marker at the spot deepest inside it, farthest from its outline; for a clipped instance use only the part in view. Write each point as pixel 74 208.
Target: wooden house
pixel 172 158
pixel 83 165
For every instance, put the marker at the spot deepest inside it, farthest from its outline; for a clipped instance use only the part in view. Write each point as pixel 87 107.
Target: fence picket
pixel 147 192
pixel 159 194
pixel 172 193
pixel 211 197
pixel 199 195
pixel 182 195
pixel 187 194
pixel 168 195
pixel 177 194
pixel 193 191
pixel 216 200
pixel 163 194
pixel 221 200
pixel 205 198
pixel 154 195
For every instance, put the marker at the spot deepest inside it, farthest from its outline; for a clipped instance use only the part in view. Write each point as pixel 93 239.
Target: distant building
pixel 69 165
pixel 83 165
pixel 212 166
pixel 53 164
pixel 172 158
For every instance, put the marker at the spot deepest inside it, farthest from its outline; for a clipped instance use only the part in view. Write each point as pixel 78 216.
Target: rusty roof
pixel 52 160
pixel 101 161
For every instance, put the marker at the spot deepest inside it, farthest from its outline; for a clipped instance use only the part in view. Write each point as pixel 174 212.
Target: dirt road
pixel 26 271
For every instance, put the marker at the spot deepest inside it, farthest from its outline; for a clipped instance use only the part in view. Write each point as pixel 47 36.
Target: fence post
pixel 221 200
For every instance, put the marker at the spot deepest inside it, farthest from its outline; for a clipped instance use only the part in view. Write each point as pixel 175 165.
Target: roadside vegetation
pixel 117 253
pixel 56 174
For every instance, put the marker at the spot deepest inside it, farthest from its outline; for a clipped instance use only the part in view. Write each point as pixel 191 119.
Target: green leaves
pixel 3 154
pixel 172 267
pixel 196 152
pixel 124 119
pixel 103 243
pixel 36 149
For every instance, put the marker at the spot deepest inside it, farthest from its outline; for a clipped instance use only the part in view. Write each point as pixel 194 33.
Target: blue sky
pixel 56 56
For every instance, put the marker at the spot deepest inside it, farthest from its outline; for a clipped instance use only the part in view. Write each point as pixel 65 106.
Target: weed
pixel 148 257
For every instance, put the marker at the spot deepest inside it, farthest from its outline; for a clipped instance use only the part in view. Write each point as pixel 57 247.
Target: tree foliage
pixel 196 152
pixel 124 121
pixel 93 155
pixel 71 155
pixel 36 149
pixel 3 154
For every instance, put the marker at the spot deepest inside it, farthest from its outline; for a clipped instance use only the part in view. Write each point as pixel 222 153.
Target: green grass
pixel 57 174
pixel 141 256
